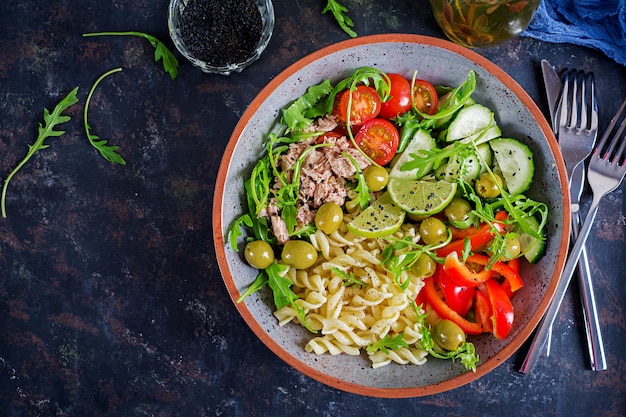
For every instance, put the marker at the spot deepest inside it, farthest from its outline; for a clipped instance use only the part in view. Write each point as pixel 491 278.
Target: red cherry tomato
pixel 379 139
pixel 365 105
pixel 400 101
pixel 425 97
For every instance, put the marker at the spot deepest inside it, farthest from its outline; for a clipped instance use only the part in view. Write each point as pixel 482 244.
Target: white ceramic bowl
pixel 440 62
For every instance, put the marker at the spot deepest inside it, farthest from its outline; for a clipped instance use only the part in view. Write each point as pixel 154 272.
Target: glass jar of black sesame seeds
pixel 221 36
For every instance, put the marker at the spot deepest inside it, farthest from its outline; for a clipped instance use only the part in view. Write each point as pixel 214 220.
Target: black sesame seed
pixel 221 32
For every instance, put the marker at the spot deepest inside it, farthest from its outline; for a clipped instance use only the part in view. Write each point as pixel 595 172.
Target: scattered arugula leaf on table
pixel 170 63
pixel 51 120
pixel 108 152
pixel 339 12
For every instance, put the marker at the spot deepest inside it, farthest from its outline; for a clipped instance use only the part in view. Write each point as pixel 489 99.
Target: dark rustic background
pixel 111 302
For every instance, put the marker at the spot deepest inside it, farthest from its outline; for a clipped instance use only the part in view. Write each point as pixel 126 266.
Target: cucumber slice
pixel 486 156
pixel 532 247
pixel 492 133
pixel 469 121
pixel 515 161
pixel 421 141
pixel 443 100
pixel 467 168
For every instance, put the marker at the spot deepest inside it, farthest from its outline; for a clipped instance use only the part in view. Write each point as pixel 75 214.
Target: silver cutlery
pixel 595 345
pixel 605 173
pixel 575 91
pixel 553 86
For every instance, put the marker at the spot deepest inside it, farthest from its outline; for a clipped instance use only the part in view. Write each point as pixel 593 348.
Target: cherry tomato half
pixel 400 101
pixel 365 105
pixel 425 97
pixel 379 139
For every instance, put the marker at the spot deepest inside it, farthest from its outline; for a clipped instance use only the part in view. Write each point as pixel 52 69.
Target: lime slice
pixel 422 198
pixel 381 218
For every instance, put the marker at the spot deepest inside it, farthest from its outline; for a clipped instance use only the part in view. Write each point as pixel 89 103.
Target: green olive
pixel 433 231
pixel 376 177
pixel 329 217
pixel 448 335
pixel 259 254
pixel 457 210
pixel 488 185
pixel 512 247
pixel 416 217
pixel 424 267
pixel 299 254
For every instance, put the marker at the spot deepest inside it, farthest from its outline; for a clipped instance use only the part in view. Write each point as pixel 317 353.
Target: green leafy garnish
pixel 466 352
pixel 349 280
pixel 108 152
pixel 362 190
pixel 339 12
pixel 170 63
pixel 401 254
pixel 301 112
pixel 387 343
pixel 273 276
pixel 51 120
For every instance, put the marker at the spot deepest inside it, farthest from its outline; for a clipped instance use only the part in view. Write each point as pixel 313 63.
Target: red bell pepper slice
pixel 514 264
pixel 458 297
pixel 482 310
pixel 445 312
pixel 480 238
pixel 502 309
pixel 462 274
pixel 512 277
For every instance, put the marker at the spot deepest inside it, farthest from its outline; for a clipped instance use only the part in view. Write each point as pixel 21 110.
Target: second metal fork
pixel 576 142
pixel 606 171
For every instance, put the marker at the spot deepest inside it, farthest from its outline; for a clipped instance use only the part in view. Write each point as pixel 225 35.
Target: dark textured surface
pixel 111 302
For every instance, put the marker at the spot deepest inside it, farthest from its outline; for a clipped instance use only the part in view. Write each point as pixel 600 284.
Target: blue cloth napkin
pixel 599 24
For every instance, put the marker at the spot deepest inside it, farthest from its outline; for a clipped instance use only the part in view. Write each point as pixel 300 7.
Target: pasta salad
pixel 388 217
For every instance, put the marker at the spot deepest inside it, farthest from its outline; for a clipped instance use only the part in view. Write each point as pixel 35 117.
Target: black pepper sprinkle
pixel 221 32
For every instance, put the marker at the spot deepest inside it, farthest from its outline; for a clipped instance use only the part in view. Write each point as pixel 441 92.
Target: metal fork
pixel 605 173
pixel 577 135
pixel 576 139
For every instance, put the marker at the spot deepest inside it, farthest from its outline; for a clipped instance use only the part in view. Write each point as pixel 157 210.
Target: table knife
pixel 553 86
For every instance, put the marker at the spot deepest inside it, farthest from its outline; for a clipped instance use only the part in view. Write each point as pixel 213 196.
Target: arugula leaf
pixel 387 343
pixel 349 280
pixel 51 120
pixel 362 190
pixel 338 12
pixel 283 295
pixel 429 160
pixel 458 97
pixel 170 63
pixel 466 352
pixel 261 281
pixel 108 152
pixel 400 255
pixel 234 232
pixel 302 111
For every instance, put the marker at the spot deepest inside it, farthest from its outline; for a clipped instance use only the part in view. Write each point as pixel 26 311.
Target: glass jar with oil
pixel 483 23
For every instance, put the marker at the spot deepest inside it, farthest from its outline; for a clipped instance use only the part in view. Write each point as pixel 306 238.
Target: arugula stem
pixel 30 153
pixel 170 63
pixel 51 120
pixel 108 152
